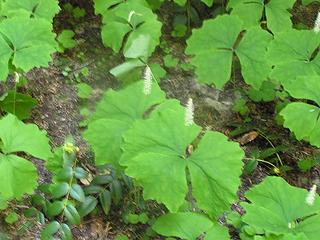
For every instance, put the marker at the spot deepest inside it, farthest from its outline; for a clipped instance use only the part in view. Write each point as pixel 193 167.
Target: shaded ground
pixel 58 113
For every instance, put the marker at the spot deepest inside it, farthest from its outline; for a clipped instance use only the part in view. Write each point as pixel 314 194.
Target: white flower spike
pixel 311 195
pixel 189 114
pixel 147 78
pixel 316 27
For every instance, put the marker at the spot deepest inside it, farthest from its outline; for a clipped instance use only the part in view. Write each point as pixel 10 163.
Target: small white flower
pixel 311 195
pixel 316 27
pixel 188 120
pixel 147 78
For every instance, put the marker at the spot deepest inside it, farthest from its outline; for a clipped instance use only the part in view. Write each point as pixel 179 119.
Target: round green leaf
pixel 87 206
pixel 77 193
pixel 48 232
pixel 55 208
pixel 72 215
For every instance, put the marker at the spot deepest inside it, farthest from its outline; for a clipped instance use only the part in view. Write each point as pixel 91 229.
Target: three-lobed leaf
pixel 133 18
pixel 215 44
pixel 152 145
pixel 251 13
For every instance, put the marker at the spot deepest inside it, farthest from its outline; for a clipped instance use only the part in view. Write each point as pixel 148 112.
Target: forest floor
pixel 58 112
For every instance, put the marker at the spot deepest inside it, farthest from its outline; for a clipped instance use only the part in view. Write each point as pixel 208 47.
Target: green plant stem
pixel 14 97
pixel 261 160
pixel 69 191
pixel 271 144
pixel 189 15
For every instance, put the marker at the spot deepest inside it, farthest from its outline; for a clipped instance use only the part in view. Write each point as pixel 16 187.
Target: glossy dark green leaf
pixel 30 212
pixel 101 180
pixel 41 218
pixel 77 193
pixel 87 206
pixel 38 200
pixel 80 173
pixel 105 201
pixel 55 208
pixel 116 191
pixel 65 174
pixel 72 215
pixel 92 189
pixel 59 190
pixel 48 232
pixel 66 233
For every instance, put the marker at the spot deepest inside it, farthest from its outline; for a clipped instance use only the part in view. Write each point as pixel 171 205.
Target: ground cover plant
pixel 140 119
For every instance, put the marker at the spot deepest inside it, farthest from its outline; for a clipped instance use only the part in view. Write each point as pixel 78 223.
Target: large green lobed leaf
pixel 291 53
pixel 17 175
pixel 45 9
pixel 29 42
pixel 251 12
pixel 215 45
pixel 155 155
pixel 115 114
pixel 303 118
pixel 278 208
pixel 133 18
pixel 185 225
pixel 19 137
